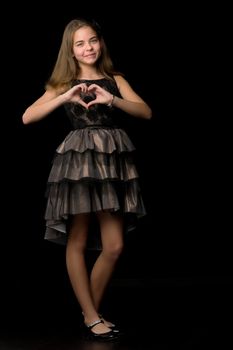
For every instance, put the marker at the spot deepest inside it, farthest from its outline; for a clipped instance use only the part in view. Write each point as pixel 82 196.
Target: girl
pixel 92 172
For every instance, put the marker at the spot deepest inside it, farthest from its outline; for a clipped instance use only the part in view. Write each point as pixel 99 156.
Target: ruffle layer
pixel 74 166
pixel 67 198
pixel 106 140
pixel 85 197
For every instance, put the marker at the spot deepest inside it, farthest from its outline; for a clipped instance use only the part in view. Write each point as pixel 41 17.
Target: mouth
pixel 90 56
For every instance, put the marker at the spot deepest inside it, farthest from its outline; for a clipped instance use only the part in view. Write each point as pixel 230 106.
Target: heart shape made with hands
pixel 87 97
pixel 88 94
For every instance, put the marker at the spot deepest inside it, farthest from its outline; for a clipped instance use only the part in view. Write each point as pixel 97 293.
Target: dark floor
pixel 188 313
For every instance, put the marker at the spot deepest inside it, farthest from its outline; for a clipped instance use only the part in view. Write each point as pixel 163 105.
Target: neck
pixel 89 73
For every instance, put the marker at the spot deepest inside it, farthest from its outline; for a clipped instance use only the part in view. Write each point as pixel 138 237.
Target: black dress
pixel 93 168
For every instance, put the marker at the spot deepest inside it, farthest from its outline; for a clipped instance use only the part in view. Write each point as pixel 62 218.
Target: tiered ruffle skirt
pixel 93 170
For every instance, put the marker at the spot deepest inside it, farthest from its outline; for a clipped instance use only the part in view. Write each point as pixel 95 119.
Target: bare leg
pixel 77 271
pixel 111 227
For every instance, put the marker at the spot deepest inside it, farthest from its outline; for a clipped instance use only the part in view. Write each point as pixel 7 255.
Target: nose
pixel 88 46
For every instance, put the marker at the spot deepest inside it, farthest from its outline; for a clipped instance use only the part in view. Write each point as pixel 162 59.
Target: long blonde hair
pixel 66 68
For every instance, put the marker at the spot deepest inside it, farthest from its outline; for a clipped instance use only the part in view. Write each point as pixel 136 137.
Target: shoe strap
pixel 102 318
pixel 91 325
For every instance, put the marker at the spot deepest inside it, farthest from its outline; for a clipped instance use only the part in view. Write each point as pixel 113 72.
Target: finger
pixel 84 88
pixel 93 102
pixel 82 103
pixel 92 87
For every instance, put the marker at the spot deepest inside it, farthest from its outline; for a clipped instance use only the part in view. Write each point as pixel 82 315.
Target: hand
pixel 76 93
pixel 101 95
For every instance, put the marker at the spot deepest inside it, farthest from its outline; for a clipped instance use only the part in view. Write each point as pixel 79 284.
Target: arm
pixel 47 103
pixel 130 102
pixel 51 100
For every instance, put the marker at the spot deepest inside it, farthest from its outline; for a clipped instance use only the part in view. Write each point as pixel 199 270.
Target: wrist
pixel 64 98
pixel 110 104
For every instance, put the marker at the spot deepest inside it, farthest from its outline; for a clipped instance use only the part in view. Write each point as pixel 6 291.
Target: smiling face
pixel 86 46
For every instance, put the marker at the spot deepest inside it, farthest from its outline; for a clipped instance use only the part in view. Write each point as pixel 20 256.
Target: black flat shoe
pixel 112 326
pixel 107 336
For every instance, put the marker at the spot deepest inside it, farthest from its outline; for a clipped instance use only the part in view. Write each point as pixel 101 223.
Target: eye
pixel 94 40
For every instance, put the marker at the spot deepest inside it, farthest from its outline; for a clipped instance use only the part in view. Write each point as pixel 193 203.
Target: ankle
pixel 90 318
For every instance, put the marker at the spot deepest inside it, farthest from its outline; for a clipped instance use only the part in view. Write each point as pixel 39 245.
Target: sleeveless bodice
pixel 98 115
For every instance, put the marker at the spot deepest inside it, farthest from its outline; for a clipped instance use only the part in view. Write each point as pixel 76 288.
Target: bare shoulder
pixel 47 96
pixel 120 81
pixel 51 93
pixel 126 90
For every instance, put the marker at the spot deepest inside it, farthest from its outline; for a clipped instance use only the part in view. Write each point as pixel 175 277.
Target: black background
pixel 163 51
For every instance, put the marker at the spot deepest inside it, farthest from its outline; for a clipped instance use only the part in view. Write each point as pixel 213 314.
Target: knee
pixel 112 252
pixel 76 245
